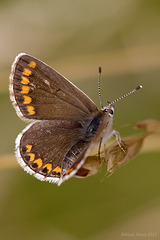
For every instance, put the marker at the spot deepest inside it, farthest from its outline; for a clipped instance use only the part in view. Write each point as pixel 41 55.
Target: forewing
pixel 39 92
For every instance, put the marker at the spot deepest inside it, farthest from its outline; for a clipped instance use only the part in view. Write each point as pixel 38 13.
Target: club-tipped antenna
pixel 126 95
pixel 99 88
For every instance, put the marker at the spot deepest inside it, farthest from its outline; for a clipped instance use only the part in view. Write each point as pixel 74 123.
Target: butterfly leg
pixel 119 140
pixel 99 150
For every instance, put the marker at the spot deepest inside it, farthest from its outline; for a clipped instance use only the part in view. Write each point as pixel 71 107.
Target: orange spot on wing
pixel 32 156
pixel 39 162
pixel 24 80
pixel 48 166
pixel 29 147
pixel 32 64
pixel 26 72
pixel 27 100
pixel 31 110
pixel 69 170
pixel 57 169
pixel 25 89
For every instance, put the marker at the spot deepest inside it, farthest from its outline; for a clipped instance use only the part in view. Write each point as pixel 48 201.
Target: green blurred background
pixel 75 37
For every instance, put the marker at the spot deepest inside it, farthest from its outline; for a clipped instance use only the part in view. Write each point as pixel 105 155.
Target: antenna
pixel 126 95
pixel 99 88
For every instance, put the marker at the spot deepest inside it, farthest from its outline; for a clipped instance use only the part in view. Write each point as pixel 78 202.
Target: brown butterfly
pixel 65 123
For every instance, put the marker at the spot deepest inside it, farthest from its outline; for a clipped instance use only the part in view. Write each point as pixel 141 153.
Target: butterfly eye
pixel 111 112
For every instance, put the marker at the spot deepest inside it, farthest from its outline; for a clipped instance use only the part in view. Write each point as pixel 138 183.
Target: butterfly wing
pixel 39 92
pixel 42 147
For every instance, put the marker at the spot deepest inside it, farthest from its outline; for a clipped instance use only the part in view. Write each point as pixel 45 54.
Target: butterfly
pixel 65 124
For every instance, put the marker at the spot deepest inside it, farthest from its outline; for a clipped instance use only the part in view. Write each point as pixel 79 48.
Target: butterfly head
pixel 109 110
